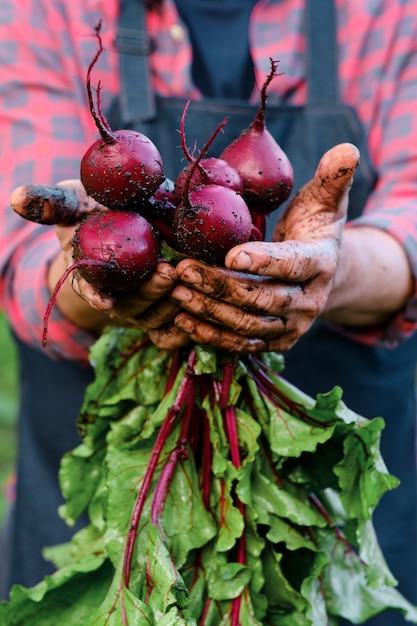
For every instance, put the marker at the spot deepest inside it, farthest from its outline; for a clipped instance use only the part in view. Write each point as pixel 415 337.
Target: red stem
pixel 231 428
pixel 173 371
pixel 230 418
pixel 184 146
pixel 178 453
pixel 228 371
pixel 205 612
pixel 234 614
pixel 161 438
pixel 58 286
pixel 267 386
pixel 259 120
pixel 148 580
pixel 195 162
pixel 206 462
pixel 101 123
pixel 319 506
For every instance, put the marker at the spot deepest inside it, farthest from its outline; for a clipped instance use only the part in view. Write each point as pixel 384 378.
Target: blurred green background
pixel 8 411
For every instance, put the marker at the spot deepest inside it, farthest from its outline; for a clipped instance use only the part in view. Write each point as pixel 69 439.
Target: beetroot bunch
pixel 213 205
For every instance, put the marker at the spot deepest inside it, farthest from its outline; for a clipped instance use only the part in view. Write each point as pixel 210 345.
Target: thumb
pixel 334 173
pixel 324 199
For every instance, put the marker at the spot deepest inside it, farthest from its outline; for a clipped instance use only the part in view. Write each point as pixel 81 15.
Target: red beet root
pixel 113 251
pixel 123 166
pixel 165 191
pixel 210 171
pixel 264 167
pixel 210 218
pixel 211 222
pixel 123 245
pixel 204 170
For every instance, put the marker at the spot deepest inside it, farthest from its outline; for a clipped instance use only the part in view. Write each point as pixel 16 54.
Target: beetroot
pixel 113 251
pixel 165 191
pixel 123 166
pixel 203 170
pixel 210 218
pixel 264 167
pixel 210 171
pixel 210 221
pixel 124 245
pixel 159 209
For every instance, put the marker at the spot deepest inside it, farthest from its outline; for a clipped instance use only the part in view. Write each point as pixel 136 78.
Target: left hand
pixel 64 206
pixel 269 293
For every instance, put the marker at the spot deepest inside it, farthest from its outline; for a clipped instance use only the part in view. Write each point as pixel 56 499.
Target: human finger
pixel 169 337
pixel 323 201
pixel 148 291
pixel 202 332
pixel 276 269
pixel 64 204
pixel 254 319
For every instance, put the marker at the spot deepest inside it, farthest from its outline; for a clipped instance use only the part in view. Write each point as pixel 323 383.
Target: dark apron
pixel 375 381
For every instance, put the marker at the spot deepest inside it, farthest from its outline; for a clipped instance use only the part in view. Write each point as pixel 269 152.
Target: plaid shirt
pixel 46 126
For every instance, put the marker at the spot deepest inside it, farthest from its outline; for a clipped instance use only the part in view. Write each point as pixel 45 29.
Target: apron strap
pixel 137 101
pixel 133 44
pixel 322 57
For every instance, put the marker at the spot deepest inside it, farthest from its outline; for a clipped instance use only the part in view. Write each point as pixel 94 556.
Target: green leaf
pixel 362 474
pixel 352 597
pixel 276 523
pixel 229 519
pixel 206 360
pixel 69 598
pixel 124 608
pixel 271 501
pixel 167 588
pixel 187 523
pixel 85 470
pixel 227 580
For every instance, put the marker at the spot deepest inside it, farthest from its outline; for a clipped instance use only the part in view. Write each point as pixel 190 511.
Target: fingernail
pixel 242 261
pixel 257 344
pixel 185 324
pixel 191 276
pixel 181 294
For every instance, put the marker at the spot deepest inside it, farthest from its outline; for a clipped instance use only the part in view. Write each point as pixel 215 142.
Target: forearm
pixel 373 281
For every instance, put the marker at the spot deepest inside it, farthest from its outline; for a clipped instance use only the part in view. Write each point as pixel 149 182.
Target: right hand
pixel 270 293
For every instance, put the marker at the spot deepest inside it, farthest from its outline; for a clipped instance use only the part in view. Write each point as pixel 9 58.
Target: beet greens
pixel 217 494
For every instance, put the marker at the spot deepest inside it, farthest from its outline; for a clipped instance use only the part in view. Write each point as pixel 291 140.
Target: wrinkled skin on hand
pixel 269 293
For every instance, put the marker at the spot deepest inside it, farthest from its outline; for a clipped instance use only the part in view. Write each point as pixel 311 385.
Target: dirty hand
pixel 269 293
pixel 64 206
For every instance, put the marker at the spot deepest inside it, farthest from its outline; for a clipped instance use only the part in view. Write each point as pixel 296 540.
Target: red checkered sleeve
pixel 386 92
pixel 45 127
pixel 27 297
